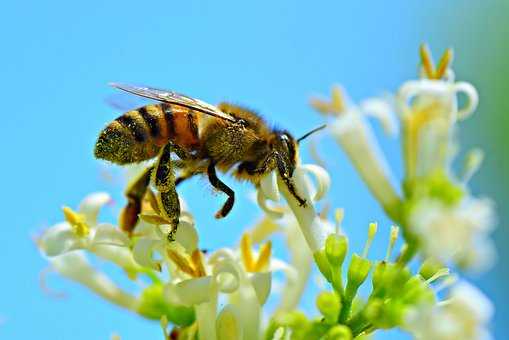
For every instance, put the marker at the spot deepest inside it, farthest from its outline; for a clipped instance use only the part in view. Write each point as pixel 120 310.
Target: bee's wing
pixel 176 99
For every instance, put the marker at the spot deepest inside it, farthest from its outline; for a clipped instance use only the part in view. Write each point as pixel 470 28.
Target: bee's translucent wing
pixel 174 98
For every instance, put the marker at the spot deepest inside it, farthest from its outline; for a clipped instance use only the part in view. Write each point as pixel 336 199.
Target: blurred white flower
pixel 428 111
pixel 457 233
pixel 464 315
pixel 350 129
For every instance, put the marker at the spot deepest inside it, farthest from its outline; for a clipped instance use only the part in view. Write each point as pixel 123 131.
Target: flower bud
pixel 323 264
pixel 336 247
pixel 329 304
pixel 339 332
pixel 357 272
pixel 153 305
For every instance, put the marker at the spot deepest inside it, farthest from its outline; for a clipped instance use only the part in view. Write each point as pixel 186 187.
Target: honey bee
pixel 204 138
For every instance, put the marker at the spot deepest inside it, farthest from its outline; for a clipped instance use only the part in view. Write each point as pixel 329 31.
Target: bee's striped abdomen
pixel 139 134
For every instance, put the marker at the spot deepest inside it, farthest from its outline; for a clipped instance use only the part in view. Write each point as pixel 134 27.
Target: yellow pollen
pixel 77 222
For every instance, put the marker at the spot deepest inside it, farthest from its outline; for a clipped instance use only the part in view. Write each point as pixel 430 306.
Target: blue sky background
pixel 58 56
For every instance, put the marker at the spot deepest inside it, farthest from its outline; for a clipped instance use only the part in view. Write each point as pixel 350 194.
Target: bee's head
pixel 286 145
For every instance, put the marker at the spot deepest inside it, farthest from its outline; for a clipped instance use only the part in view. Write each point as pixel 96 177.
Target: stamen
pixel 247 252
pixel 164 326
pixel 77 222
pixel 472 163
pixel 197 260
pixel 371 235
pixel 153 219
pixel 443 272
pixel 444 63
pixel 335 107
pixel 181 262
pixel 392 240
pixel 264 257
pixel 337 99
pixel 446 283
pixel 427 61
pixel 339 214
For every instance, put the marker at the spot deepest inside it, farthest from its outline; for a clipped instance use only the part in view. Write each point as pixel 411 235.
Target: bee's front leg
pixel 164 181
pixel 216 183
pixel 286 171
pixel 134 193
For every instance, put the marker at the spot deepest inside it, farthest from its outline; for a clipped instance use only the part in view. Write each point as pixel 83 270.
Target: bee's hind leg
pixel 163 179
pixel 216 183
pixel 134 193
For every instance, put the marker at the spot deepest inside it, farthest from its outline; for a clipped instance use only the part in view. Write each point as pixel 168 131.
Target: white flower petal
pixel 322 179
pixel 382 110
pixel 228 326
pixel 91 205
pixel 262 284
pixel 268 186
pixel 314 230
pixel 352 132
pixel 143 253
pixel 108 234
pixel 473 301
pixel 76 267
pixel 59 239
pixel 187 235
pixel 227 276
pixel 194 291
pixel 274 213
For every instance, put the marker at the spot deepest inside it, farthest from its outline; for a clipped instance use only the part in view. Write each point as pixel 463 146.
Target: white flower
pixel 350 129
pixel 428 111
pixel 463 316
pixel 154 238
pixel 242 276
pixel 271 186
pixel 455 233
pixel 82 231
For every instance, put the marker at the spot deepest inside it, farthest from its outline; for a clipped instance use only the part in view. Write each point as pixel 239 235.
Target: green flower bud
pixel 357 272
pixel 323 264
pixel 329 304
pixel 339 332
pixel 336 247
pixel 153 305
pixel 416 290
pixel 378 274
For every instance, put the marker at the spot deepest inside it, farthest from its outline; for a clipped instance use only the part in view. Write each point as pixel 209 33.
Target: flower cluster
pixel 221 294
pixel 436 211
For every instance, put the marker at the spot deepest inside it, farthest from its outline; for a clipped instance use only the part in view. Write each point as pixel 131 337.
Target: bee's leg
pixel 216 183
pixel 134 193
pixel 286 172
pixel 163 179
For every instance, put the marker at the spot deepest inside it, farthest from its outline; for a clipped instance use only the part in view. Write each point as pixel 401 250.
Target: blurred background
pixel 58 56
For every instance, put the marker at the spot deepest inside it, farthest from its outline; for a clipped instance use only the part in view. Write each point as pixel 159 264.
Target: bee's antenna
pixel 321 127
